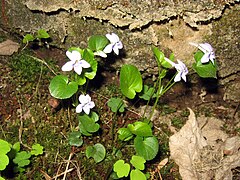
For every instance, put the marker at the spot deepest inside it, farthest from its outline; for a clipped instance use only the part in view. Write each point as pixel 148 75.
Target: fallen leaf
pixel 203 151
pixel 8 47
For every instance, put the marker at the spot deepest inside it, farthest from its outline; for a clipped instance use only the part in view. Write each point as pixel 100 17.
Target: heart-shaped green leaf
pixel 75 138
pixel 37 149
pixel 122 169
pixel 89 57
pixel 97 42
pixel 146 147
pixel 206 70
pixel 124 134
pixel 60 88
pixel 87 125
pixel 116 104
pixel 137 175
pixel 140 129
pixel 96 151
pixel 130 80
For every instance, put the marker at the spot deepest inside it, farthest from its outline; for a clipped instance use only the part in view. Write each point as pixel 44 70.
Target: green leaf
pixel 159 55
pixel 28 38
pixel 147 93
pixel 137 175
pixel 124 134
pixel 140 129
pixel 122 169
pixel 60 88
pixel 97 42
pixel 42 34
pixel 97 152
pixel 4 161
pixel 206 70
pixel 116 104
pixel 138 162
pixel 94 116
pixel 37 149
pixel 1 178
pixel 130 81
pixel 88 55
pixel 87 125
pixel 5 146
pixel 22 158
pixel 146 147
pixel 16 146
pixel 75 139
pixel 81 79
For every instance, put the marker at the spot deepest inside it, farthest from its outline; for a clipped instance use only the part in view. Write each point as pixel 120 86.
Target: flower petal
pixel 84 64
pixel 108 48
pixel 115 49
pixel 205 58
pixel 177 77
pixel 91 104
pixel 79 108
pixel 74 55
pixel 207 47
pixel 68 66
pixel 84 99
pixel 78 68
pixel 113 38
pixel 100 53
pixel 86 109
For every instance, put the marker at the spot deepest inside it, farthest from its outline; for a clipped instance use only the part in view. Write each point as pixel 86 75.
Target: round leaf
pixel 37 149
pixel 122 169
pixel 61 89
pixel 75 138
pixel 4 160
pixel 137 175
pixel 138 162
pixel 146 147
pixel 96 151
pixel 5 147
pixel 130 81
pixel 22 159
pixel 42 34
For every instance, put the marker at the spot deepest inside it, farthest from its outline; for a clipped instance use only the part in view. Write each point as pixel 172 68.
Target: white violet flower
pixel 207 49
pixel 85 104
pixel 181 69
pixel 76 62
pixel 115 44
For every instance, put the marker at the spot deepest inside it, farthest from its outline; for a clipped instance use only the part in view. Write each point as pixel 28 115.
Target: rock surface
pixel 170 25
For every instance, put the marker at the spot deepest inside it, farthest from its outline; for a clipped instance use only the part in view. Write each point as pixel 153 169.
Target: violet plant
pixel 83 66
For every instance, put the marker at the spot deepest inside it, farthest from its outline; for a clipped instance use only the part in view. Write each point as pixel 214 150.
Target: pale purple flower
pixel 76 62
pixel 85 104
pixel 207 49
pixel 181 69
pixel 115 44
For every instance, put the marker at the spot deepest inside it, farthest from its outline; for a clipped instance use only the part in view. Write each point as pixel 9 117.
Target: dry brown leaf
pixel 198 149
pixel 8 47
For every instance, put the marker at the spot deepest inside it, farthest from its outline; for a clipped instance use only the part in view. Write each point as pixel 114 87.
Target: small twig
pixel 66 170
pixel 63 173
pixel 44 62
pixel 20 130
